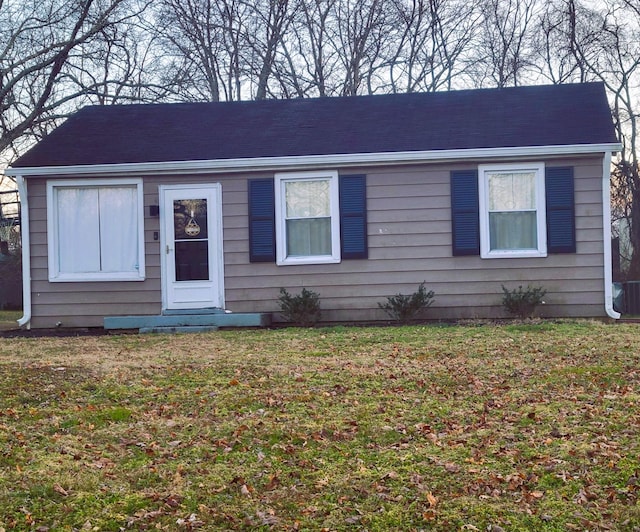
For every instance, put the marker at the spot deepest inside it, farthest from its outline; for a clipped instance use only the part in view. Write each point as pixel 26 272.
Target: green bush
pixel 404 308
pixel 302 309
pixel 522 302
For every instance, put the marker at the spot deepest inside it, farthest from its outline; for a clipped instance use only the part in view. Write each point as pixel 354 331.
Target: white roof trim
pixel 308 161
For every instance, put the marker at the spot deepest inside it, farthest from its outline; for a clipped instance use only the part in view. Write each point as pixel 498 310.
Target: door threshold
pixel 193 311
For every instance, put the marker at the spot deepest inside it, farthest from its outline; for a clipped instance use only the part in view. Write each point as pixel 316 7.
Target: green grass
pixel 527 427
pixel 8 319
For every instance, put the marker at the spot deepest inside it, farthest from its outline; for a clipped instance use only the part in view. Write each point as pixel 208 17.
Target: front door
pixel 191 246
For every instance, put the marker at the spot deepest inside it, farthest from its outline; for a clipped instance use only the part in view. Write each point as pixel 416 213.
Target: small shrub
pixel 522 302
pixel 303 309
pixel 404 308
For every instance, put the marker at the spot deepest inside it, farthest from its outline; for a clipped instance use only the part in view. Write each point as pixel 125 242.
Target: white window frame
pixel 541 219
pixel 281 230
pixel 55 275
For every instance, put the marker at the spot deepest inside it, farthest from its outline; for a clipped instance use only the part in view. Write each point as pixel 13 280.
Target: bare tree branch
pixel 41 41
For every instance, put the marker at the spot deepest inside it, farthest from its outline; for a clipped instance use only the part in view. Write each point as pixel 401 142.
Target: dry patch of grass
pixel 456 428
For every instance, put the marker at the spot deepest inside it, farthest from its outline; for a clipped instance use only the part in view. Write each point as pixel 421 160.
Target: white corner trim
pixel 310 161
pixel 606 230
pixel 26 253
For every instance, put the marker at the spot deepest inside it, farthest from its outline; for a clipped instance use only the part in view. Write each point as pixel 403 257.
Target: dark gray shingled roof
pixel 488 118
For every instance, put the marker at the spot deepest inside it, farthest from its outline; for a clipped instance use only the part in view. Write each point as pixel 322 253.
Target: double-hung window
pixel 512 210
pixel 307 218
pixel 95 230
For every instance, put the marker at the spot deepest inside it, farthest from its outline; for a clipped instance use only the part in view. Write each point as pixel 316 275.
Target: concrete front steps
pixel 186 321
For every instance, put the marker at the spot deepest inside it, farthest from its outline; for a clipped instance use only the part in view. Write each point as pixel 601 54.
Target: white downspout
pixel 26 253
pixel 606 227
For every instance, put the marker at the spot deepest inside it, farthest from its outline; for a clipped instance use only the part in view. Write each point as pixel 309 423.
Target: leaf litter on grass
pixel 527 427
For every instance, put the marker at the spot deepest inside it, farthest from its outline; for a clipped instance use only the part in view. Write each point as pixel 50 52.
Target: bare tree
pixel 358 36
pixel 307 64
pixel 203 42
pixel 334 47
pixel 40 43
pixel 318 57
pixel 604 43
pixel 120 66
pixel 555 58
pixel 433 37
pixel 618 66
pixel 270 20
pixel 221 49
pixel 503 46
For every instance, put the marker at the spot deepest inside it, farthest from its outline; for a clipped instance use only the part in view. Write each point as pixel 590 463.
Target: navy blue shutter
pixel 561 225
pixel 353 217
pixel 262 221
pixel 465 213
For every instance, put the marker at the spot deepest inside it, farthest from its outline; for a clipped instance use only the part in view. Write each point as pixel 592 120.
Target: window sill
pixel 293 261
pixel 516 254
pixel 94 278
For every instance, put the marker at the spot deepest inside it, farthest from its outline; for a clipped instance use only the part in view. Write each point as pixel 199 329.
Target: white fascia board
pixel 310 161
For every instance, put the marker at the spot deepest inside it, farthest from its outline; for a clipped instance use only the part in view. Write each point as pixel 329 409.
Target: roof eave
pixel 308 161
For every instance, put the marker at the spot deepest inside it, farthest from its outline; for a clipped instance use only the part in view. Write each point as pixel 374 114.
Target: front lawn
pixel 8 319
pixel 513 427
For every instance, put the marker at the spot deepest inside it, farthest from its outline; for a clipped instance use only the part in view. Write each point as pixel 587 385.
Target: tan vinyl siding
pixel 409 233
pixel 85 304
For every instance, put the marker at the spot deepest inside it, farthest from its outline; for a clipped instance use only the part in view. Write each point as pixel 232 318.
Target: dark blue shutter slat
pixel 262 227
pixel 561 225
pixel 465 213
pixel 353 217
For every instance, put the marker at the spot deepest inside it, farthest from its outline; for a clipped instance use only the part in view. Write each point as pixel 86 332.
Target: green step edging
pixel 245 319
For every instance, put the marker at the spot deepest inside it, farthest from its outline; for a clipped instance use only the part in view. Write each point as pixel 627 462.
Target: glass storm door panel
pixel 191 239
pixel 192 247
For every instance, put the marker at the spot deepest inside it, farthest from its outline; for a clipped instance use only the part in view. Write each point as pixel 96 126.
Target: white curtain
pixel 78 230
pixel 512 192
pixel 512 215
pixel 309 237
pixel 513 230
pixel 308 213
pixel 118 229
pixel 97 229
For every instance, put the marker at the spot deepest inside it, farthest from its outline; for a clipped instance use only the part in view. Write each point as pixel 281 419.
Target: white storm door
pixel 191 246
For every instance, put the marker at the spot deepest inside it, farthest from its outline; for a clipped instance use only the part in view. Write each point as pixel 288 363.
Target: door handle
pixel 168 249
